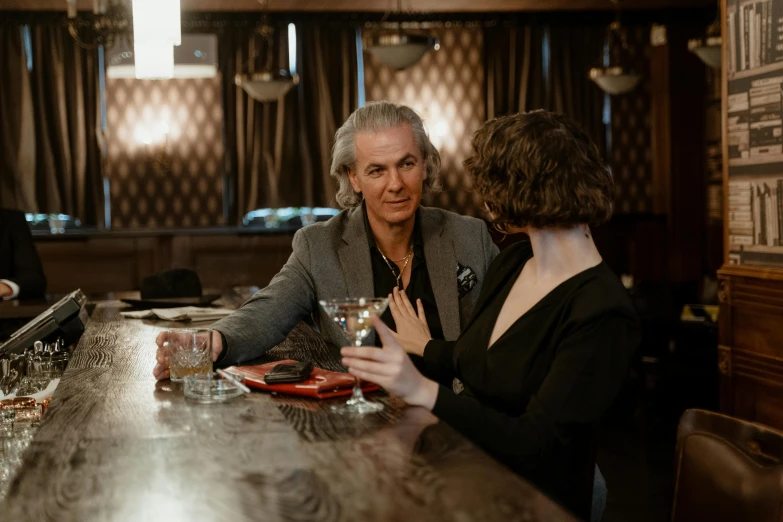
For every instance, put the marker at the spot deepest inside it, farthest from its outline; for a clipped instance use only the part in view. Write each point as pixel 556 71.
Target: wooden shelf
pixel 748 73
pixel 751 162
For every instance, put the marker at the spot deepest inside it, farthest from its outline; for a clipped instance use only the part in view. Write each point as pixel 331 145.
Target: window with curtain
pixel 51 134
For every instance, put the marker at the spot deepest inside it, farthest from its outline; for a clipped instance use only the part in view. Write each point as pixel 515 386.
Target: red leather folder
pixel 322 384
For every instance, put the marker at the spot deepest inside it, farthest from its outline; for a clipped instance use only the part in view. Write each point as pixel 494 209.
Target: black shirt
pixel 419 286
pixel 533 398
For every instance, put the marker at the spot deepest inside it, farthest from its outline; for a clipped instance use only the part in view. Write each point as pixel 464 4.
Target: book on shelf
pixel 779 200
pixel 739 126
pixel 741 240
pixel 765 120
pixel 739 216
pixel 755 213
pixel 755 34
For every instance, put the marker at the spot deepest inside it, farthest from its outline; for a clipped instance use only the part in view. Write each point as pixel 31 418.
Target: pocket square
pixel 466 280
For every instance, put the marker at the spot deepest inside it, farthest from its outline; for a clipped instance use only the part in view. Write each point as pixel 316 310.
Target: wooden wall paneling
pixel 768 406
pixel 743 399
pixel 724 344
pixel 244 260
pixel 660 115
pixel 181 255
pixel 758 401
pixel 98 265
pixel 101 265
pixel 149 257
pixel 751 343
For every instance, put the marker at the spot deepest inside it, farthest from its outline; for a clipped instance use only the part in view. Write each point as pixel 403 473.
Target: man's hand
pixel 413 333
pixel 5 291
pixel 161 370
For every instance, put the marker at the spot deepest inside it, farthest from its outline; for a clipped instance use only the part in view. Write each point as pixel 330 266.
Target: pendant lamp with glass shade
pixel 709 49
pixel 268 84
pixel 616 78
pixel 398 49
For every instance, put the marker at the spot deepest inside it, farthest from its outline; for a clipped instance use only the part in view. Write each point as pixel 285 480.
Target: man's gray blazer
pixel 332 260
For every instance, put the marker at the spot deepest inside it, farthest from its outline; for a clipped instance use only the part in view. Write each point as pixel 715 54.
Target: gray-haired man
pixel 384 162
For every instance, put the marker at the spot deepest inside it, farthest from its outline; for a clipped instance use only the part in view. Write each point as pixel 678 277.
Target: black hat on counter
pixel 179 282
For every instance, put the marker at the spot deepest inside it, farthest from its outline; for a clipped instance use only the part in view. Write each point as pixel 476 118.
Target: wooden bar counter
pixel 115 445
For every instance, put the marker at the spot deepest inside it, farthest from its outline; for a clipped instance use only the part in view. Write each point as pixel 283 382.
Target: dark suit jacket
pixel 19 260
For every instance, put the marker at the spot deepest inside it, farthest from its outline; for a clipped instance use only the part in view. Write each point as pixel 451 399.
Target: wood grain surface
pixel 115 445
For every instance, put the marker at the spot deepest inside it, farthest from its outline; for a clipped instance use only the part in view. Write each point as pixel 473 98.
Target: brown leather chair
pixel 727 470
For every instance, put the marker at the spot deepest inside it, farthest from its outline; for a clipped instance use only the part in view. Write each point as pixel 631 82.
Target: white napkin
pixel 184 313
pixel 41 395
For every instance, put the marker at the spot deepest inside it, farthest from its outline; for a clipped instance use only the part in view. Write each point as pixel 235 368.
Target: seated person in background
pixel 549 346
pixel 383 161
pixel 21 274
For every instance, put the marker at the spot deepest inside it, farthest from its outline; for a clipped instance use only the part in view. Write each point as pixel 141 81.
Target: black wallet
pixel 289 372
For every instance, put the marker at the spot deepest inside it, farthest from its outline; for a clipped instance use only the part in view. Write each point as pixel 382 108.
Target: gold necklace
pixel 406 259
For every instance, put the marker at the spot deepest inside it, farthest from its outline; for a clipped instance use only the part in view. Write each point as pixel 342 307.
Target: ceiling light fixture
pixel 615 78
pixel 267 85
pixel 399 49
pixel 710 48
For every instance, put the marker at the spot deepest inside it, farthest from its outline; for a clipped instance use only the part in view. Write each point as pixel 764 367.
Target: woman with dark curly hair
pixel 549 344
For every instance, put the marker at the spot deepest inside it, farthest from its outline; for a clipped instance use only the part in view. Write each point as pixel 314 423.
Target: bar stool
pixel 727 469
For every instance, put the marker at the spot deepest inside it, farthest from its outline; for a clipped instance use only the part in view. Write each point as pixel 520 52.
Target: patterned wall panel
pixel 631 152
pixel 446 88
pixel 165 152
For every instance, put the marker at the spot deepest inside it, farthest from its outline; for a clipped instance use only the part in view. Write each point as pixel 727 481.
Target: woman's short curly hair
pixel 540 169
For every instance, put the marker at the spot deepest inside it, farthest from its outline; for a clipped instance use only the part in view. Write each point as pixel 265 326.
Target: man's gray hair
pixel 372 118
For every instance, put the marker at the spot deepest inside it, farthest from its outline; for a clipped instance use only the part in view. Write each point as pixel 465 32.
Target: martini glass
pixel 354 316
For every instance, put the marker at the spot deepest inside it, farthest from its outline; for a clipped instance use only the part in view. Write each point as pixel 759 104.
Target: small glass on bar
pixel 190 352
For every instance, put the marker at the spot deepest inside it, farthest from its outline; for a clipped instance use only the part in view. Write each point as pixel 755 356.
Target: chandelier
pixel 156 26
pixel 107 22
pixel 615 78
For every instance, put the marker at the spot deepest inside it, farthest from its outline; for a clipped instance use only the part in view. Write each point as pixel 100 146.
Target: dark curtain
pixel 328 95
pixel 66 107
pixel 17 137
pixel 278 153
pixel 260 138
pixel 514 69
pixel 573 52
pixel 518 79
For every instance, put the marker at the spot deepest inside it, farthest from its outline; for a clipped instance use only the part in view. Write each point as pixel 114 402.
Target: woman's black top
pixel 533 398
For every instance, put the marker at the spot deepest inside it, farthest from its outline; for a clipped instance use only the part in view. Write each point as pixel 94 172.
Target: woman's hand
pixel 413 334
pixel 391 368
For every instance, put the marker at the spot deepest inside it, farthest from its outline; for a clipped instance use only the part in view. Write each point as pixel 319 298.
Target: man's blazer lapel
pixel 354 253
pixel 442 269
